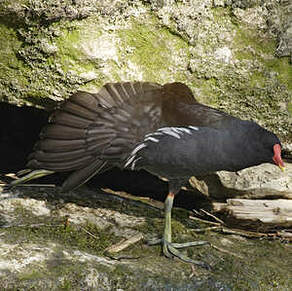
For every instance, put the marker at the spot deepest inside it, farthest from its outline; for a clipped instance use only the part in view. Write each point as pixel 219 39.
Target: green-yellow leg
pixel 30 176
pixel 170 249
pixel 166 240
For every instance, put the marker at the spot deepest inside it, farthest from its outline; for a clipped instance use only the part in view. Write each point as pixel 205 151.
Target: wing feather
pixel 81 176
pixel 93 132
pixel 43 156
pixel 64 166
pixel 57 131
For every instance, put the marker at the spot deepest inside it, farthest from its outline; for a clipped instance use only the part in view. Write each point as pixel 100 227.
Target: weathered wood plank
pixel 270 212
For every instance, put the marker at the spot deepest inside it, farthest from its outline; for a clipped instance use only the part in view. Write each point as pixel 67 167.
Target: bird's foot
pixel 170 250
pixel 26 176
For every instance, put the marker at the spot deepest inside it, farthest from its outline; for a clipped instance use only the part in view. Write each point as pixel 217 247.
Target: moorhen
pixel 143 125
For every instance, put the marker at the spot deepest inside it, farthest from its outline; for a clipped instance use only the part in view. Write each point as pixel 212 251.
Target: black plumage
pixel 182 152
pixel 142 125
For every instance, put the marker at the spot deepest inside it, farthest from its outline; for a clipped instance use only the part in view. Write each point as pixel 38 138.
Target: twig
pixel 213 216
pixel 243 232
pixel 124 243
pixel 194 272
pixel 88 232
pixel 206 229
pixel 225 251
pixel 204 221
pixel 122 257
pixel 250 234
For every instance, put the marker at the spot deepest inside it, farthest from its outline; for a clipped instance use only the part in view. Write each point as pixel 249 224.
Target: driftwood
pixel 124 243
pixel 261 213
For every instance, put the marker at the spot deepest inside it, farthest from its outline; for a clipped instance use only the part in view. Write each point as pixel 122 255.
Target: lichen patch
pixel 37 207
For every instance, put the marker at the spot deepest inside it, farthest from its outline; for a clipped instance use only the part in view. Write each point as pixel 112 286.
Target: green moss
pixel 11 80
pixel 151 226
pixel 248 44
pixel 151 49
pixel 23 76
pixel 259 270
pixel 32 275
pixel 66 285
pixel 257 80
pixel 290 107
pixel 283 68
pixel 70 45
pixel 87 237
pixel 207 89
pixel 63 274
pixel 220 13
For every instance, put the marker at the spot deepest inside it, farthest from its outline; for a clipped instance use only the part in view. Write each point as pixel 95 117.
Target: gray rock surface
pixel 261 181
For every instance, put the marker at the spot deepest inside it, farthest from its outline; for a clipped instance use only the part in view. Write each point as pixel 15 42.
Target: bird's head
pixel 272 147
pixel 267 145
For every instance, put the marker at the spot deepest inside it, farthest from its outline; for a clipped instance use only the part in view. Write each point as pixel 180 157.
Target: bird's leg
pixel 168 203
pixel 30 176
pixel 171 249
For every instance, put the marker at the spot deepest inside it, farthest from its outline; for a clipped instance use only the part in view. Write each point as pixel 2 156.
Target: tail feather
pixel 85 99
pixel 106 99
pixel 92 132
pixel 65 118
pixel 78 110
pixel 81 176
pixel 116 93
pixel 138 87
pixel 129 87
pixel 43 156
pixel 59 145
pixel 101 138
pixel 57 131
pixel 119 87
pixel 64 166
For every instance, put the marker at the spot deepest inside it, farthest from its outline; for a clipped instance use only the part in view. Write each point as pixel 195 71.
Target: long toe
pixel 164 243
pixel 190 244
pixel 166 249
pixel 170 251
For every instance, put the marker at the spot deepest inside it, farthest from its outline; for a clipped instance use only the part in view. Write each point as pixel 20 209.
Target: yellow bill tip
pixel 282 168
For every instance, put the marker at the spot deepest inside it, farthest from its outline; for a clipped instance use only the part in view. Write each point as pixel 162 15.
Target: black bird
pixel 142 125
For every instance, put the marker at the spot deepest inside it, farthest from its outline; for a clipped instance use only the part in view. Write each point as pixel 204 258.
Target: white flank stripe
pixel 172 134
pixel 134 163
pixel 194 127
pixel 175 129
pixel 137 148
pixel 169 131
pixel 153 133
pixel 129 161
pixel 185 130
pixel 151 139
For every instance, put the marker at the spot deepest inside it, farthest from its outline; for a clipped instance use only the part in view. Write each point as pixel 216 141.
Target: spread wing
pixel 93 132
pixel 180 108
